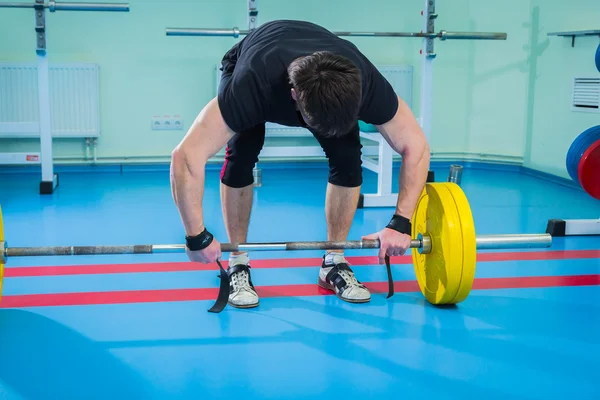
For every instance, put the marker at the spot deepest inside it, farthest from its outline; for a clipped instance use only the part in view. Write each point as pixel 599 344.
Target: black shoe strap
pixel 237 268
pixel 390 279
pixel 223 296
pixel 334 277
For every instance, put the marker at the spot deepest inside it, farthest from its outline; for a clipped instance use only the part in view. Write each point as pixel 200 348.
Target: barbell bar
pixel 442 35
pixel 444 247
pixel 487 242
pixel 53 6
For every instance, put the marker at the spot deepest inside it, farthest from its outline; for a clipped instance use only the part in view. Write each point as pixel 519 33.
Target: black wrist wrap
pixel 199 242
pixel 400 224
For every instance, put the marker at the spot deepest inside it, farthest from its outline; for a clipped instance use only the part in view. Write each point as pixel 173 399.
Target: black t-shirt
pixel 255 87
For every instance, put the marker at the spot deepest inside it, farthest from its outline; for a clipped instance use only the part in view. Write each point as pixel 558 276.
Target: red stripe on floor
pixel 173 295
pixel 14 272
pixel 539 255
pixel 536 282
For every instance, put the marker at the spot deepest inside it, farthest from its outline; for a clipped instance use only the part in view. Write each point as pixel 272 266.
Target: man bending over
pixel 296 74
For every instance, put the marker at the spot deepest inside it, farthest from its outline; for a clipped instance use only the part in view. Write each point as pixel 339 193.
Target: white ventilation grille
pixel 586 94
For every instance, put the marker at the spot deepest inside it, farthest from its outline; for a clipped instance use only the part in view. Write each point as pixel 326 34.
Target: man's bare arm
pixel 406 137
pixel 207 135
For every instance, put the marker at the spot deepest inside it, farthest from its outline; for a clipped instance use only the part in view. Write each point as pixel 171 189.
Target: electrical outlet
pixel 177 122
pixel 158 123
pixel 167 123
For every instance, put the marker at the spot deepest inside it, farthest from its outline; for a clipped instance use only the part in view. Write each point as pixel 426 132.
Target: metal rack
pixel 384 164
pixel 574 34
pixel 49 180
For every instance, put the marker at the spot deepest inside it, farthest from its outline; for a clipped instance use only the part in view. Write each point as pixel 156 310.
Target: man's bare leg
pixel 340 207
pixel 236 204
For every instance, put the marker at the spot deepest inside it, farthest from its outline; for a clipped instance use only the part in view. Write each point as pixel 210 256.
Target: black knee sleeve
pixel 344 155
pixel 346 170
pixel 241 154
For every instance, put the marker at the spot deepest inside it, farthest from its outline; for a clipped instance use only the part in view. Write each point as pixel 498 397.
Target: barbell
pixel 442 35
pixel 53 6
pixel 444 247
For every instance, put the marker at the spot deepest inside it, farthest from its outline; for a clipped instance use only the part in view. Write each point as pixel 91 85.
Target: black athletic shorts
pixel 343 154
pixel 254 89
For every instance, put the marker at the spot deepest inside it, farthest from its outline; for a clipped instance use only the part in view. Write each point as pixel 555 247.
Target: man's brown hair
pixel 328 91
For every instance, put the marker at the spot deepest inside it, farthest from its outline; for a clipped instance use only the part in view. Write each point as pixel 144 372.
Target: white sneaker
pixel 340 279
pixel 241 291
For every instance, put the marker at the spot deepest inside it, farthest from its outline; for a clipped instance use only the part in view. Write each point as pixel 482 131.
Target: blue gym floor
pixel 538 341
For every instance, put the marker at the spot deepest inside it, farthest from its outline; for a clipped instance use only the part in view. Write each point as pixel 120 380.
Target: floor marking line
pixel 176 295
pixel 93 269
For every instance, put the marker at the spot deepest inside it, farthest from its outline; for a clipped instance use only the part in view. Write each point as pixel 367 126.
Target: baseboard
pixel 215 165
pixel 551 178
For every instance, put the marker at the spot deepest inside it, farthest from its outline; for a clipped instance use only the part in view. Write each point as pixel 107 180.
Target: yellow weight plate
pixel 438 273
pixel 469 242
pixel 1 240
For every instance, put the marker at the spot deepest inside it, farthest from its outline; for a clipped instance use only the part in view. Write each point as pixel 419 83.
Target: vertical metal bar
pixel 252 14
pixel 384 175
pixel 252 24
pixel 45 122
pixel 455 175
pixel 427 69
pixel 45 119
pixel 40 26
pixel 429 27
pixel 257 175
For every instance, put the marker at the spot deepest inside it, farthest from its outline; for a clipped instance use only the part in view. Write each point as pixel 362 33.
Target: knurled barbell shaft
pixel 484 242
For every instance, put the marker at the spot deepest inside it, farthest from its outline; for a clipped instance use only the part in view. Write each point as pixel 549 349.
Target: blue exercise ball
pixel 598 58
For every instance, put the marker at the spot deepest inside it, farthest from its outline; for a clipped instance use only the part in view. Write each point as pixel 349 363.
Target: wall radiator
pixel 74 100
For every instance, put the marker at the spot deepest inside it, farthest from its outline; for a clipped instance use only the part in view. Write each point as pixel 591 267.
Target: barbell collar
pixel 425 247
pixel 2 252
